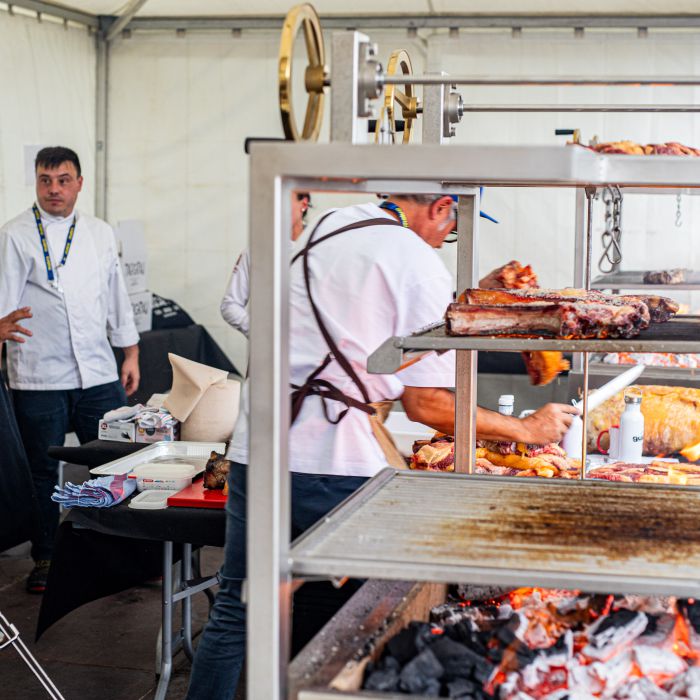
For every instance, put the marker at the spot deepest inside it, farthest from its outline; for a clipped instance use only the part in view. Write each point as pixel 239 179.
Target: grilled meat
pixel 216 471
pixel 673 276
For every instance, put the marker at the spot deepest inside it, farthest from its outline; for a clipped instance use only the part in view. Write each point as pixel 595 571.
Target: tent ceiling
pixel 233 8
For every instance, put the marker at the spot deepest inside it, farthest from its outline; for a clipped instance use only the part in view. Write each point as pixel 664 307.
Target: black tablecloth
pixel 102 551
pixel 192 342
pixel 18 505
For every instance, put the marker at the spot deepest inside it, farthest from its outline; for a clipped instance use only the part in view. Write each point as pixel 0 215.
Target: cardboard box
pixel 142 306
pixel 131 245
pixel 121 431
pixel 168 434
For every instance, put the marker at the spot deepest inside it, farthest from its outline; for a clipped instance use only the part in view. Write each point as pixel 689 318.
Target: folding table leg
pixel 166 663
pixel 187 602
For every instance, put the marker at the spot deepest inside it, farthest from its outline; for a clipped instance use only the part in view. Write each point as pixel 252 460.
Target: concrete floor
pixel 104 650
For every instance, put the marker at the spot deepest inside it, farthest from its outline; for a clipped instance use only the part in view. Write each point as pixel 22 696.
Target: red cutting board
pixel 196 496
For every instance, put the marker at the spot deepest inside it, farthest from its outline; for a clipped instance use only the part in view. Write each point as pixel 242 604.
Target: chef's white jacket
pixel 74 318
pixel 369 284
pixel 234 305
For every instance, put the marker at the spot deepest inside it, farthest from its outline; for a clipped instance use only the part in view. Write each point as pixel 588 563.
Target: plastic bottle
pixel 506 404
pixel 631 436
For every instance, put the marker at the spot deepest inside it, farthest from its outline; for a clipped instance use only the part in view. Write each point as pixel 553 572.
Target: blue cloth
pixel 103 492
pixel 221 650
pixel 44 418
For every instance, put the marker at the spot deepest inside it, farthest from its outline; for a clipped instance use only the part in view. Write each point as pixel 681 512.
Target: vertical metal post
pixel 187 600
pixel 101 99
pixel 588 261
pixel 579 256
pixel 166 665
pixel 268 511
pixel 346 50
pixel 432 119
pixel 465 382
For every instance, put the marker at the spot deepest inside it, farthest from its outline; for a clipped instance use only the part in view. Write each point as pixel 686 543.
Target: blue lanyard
pixel 390 206
pixel 45 244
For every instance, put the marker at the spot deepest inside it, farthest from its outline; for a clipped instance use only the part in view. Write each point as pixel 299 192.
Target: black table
pixel 102 551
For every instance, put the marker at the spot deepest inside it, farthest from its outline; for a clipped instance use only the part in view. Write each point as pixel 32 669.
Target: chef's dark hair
pixel 52 156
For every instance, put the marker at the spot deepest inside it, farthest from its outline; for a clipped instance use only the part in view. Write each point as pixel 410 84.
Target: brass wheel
pixel 305 16
pixel 407 102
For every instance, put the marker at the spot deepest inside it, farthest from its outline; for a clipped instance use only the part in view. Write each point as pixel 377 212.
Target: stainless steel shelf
pixel 680 334
pixel 632 279
pixel 594 536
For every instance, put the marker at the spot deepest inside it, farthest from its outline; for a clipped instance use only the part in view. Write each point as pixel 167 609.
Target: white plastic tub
pixel 163 476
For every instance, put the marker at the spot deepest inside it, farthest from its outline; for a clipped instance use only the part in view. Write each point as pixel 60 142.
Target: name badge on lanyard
pixel 45 248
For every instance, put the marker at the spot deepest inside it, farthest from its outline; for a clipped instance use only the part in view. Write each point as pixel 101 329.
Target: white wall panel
pixel 47 82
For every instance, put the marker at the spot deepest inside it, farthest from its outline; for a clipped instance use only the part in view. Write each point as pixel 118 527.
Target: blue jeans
pixel 44 418
pixel 221 650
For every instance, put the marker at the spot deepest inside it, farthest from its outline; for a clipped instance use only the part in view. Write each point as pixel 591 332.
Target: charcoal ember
pixel 480 593
pixel 421 675
pixel 460 662
pixel 410 641
pixel 461 688
pixel 691 612
pixel 659 628
pixel 685 686
pixel 614 632
pixel 600 676
pixel 467 633
pixel 642 689
pixel 654 662
pixel 383 677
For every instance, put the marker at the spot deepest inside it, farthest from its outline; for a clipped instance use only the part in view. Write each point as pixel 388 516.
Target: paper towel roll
pixel 214 416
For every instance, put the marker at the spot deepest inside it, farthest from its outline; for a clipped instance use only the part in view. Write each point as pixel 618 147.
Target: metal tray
pixel 632 279
pixel 196 453
pixel 594 536
pixel 680 334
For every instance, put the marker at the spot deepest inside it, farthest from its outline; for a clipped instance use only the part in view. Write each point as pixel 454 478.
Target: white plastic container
pixel 506 404
pixel 163 476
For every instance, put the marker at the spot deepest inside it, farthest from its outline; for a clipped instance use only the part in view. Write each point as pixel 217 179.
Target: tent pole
pixel 101 93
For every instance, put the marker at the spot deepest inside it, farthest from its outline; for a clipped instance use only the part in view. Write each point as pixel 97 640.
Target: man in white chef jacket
pixel 64 266
pixel 373 274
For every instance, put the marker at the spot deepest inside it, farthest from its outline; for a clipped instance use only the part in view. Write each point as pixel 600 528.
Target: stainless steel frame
pixel 276 171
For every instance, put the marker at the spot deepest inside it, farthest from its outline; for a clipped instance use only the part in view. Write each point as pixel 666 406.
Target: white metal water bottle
pixel 505 404
pixel 631 437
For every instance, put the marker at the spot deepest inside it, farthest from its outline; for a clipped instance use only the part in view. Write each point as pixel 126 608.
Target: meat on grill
pixel 577 319
pixel 216 471
pixel 674 276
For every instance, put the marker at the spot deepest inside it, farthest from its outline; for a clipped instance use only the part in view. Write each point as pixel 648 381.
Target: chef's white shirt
pixel 234 305
pixel 369 284
pixel 73 324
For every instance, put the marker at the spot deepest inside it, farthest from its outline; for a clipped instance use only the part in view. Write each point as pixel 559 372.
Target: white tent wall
pixel 537 225
pixel 47 79
pixel 179 112
pixel 181 107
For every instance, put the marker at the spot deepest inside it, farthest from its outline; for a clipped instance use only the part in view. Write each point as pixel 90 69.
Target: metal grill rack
pixel 455 508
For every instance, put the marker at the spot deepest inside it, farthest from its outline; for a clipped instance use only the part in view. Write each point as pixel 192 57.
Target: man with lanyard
pixel 63 265
pixel 361 274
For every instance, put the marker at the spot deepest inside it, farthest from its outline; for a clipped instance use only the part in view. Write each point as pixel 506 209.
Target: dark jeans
pixel 44 418
pixel 221 651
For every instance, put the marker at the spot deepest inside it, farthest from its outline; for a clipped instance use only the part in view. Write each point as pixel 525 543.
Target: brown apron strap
pixel 313 386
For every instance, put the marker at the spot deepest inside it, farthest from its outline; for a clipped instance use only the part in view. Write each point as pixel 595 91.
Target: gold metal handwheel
pixel 406 100
pixel 305 16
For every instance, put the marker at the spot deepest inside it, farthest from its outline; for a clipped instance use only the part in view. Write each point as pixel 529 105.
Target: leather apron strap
pixel 314 386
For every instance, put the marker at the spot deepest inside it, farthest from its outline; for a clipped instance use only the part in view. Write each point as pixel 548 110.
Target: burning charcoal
pixel 460 662
pixel 461 688
pixel 687 685
pixel 613 632
pixel 654 662
pixel 416 674
pixel 659 628
pixel 642 689
pixel 690 609
pixel 409 641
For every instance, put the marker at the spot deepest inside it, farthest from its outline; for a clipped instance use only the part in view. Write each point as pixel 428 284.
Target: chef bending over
pixel 376 274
